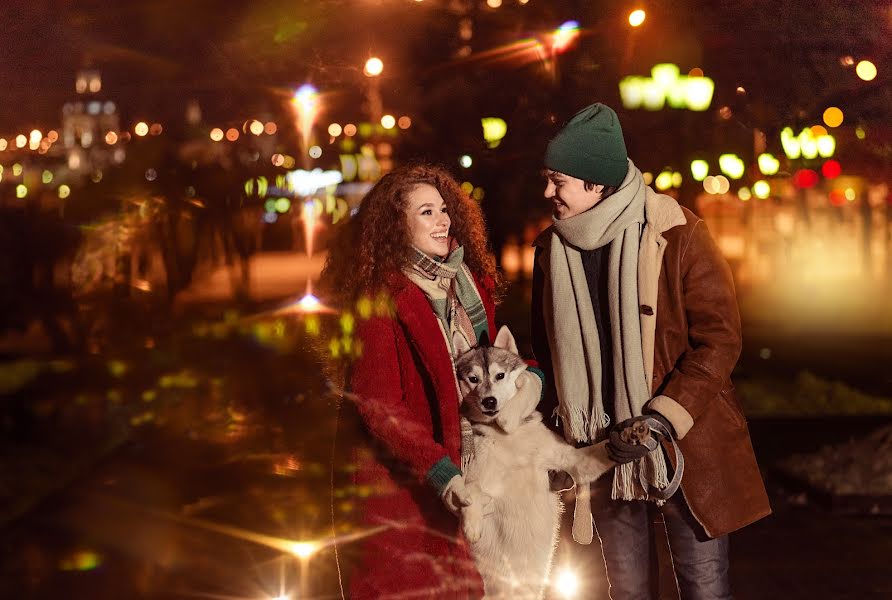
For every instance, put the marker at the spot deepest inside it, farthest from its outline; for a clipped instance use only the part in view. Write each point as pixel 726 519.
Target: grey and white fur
pixel 512 522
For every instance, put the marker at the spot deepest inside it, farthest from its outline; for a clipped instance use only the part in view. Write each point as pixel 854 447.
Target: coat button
pixel 646 310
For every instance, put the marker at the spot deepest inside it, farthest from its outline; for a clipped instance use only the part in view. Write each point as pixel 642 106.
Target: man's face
pixel 568 194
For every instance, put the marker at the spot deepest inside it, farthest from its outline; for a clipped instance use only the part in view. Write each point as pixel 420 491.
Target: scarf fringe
pixel 632 480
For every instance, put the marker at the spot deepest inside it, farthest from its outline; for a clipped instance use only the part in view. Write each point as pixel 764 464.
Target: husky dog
pixel 513 520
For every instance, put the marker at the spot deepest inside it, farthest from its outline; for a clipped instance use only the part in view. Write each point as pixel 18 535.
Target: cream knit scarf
pixel 573 333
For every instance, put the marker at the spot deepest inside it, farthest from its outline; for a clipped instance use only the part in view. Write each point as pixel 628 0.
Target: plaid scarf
pixel 449 287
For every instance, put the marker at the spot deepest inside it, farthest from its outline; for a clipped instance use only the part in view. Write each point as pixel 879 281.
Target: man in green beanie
pixel 634 315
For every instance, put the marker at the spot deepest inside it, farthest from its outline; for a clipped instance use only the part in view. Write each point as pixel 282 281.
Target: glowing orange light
pixel 155 129
pixel 111 138
pixel 388 122
pixel 216 134
pixel 833 117
pixel 404 122
pixel 141 129
pixel 232 134
pixel 256 127
pixel 20 141
pixel 349 129
pixel 52 136
pixel 373 67
pixel 695 72
pixel 270 128
pixel 636 17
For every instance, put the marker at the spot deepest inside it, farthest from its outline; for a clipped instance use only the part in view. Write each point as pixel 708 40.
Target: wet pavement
pixel 166 517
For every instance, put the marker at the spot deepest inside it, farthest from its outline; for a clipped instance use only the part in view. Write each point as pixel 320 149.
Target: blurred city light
pixel 494 3
pixel 305 183
pixel 141 129
pixel 833 117
pixel 831 169
pixel 465 161
pixel 636 17
pixel 666 85
pixel 664 181
pixel 232 134
pixel 21 191
pixel 866 70
pixel 373 67
pixel 64 191
pixel 564 35
pixel 768 164
pixel 216 134
pixel 111 138
pixel 732 166
pixel 744 194
pixel 761 189
pixel 388 121
pixel 676 179
pixel 699 169
pixel 805 178
pixel 699 93
pixel 494 129
pixel 315 151
pixel 404 122
pixel 256 127
pixel 334 130
pixel 20 140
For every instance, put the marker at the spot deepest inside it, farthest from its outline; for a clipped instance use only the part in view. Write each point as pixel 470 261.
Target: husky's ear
pixel 459 343
pixel 505 340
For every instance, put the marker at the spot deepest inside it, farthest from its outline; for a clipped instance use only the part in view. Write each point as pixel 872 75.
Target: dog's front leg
pixel 587 465
pixel 472 515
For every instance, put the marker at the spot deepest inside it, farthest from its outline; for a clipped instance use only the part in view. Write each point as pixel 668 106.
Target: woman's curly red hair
pixel 375 242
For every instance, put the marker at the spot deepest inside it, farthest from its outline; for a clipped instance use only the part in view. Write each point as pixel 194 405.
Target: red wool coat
pixel 409 404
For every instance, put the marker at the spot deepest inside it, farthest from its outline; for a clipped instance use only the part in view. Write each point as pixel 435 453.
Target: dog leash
pixel 652 443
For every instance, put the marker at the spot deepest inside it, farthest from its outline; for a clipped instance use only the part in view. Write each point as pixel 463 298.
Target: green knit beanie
pixel 590 147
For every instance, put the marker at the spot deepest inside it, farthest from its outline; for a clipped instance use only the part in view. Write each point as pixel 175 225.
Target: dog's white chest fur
pixel 513 518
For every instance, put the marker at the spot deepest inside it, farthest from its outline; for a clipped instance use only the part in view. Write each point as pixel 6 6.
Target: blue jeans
pixel 625 530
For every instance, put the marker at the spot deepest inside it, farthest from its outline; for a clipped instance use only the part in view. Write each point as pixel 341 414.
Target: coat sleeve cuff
pixel 442 473
pixel 675 413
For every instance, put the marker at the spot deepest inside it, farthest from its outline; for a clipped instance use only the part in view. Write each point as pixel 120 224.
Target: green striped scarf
pixel 449 287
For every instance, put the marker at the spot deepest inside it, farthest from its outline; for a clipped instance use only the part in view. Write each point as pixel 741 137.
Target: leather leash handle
pixel 670 489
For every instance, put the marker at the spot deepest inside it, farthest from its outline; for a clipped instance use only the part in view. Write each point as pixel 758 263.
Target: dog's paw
pixel 472 522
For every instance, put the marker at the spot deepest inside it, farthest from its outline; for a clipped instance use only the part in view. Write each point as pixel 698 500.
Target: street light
pixel 373 67
pixel 636 17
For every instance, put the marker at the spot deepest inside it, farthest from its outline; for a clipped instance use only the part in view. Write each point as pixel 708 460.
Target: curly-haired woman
pixel 422 241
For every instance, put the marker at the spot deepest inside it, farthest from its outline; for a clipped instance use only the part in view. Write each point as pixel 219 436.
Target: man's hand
pixel 634 438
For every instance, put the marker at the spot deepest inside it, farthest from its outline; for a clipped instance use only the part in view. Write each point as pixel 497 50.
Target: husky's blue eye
pixel 500 376
pixel 474 379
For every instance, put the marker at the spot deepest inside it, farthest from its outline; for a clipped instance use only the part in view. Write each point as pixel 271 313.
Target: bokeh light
pixel 388 122
pixel 761 189
pixel 256 127
pixel 404 122
pixel 232 134
pixel 334 130
pixel 111 138
pixel 831 169
pixel 141 128
pixel 833 117
pixel 699 169
pixel 636 17
pixel 349 129
pixel 866 70
pixel 465 161
pixel 216 134
pixel 744 194
pixel 373 67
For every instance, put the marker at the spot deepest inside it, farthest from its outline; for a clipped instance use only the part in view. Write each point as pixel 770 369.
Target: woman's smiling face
pixel 428 220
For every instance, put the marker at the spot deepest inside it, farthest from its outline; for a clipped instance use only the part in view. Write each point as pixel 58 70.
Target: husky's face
pixel 487 376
